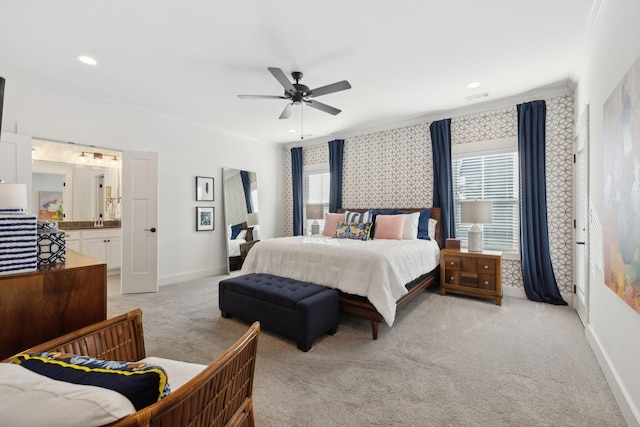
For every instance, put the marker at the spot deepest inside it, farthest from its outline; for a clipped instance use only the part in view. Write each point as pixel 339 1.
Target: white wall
pixel 184 151
pixel 614 328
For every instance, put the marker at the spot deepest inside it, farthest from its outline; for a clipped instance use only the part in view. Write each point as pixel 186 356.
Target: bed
pixel 375 278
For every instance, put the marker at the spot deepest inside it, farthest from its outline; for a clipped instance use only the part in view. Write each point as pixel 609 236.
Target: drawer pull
pixel 451 277
pixel 486 282
pixel 451 262
pixel 486 266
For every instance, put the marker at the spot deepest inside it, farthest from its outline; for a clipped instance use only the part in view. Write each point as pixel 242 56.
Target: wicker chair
pixel 220 395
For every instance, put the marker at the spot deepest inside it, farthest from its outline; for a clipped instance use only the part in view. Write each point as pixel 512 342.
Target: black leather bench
pixel 299 310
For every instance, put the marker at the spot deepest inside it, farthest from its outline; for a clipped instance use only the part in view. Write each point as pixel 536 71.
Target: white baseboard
pixel 510 291
pixel 629 411
pixel 193 275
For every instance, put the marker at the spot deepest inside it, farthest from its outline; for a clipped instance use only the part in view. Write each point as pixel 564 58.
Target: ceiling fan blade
pixel 322 107
pixel 261 97
pixel 288 110
pixel 334 87
pixel 282 78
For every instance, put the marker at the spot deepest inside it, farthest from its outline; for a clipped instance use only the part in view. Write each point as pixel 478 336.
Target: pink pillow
pixel 389 226
pixel 331 221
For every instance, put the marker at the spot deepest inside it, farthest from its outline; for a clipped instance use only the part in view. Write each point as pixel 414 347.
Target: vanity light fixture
pixel 97 156
pixel 85 59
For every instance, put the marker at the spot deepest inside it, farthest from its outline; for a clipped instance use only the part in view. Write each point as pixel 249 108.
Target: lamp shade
pixel 13 198
pixel 315 211
pixel 475 211
pixel 253 219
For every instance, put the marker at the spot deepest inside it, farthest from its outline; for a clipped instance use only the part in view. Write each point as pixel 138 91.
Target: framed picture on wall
pixel 204 188
pixel 205 220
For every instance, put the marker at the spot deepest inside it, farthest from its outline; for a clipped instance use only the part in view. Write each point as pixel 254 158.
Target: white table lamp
pixel 315 211
pixel 13 198
pixel 253 221
pixel 475 212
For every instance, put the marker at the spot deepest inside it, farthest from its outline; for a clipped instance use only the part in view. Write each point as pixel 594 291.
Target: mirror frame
pixel 234 203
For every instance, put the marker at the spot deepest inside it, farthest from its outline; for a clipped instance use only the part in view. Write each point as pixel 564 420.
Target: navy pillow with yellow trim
pixel 141 383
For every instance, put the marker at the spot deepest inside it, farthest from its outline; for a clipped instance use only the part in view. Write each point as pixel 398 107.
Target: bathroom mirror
pixel 73 182
pixel 240 193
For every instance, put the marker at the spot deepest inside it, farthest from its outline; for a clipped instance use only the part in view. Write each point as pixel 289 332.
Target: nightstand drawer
pixel 452 277
pixel 453 262
pixel 487 281
pixel 486 266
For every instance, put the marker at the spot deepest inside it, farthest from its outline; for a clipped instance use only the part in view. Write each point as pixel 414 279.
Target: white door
pixel 15 163
pixel 581 191
pixel 139 272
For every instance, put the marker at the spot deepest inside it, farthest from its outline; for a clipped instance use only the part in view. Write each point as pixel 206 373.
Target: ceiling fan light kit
pixel 299 94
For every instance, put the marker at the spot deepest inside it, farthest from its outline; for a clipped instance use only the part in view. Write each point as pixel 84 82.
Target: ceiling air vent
pixel 477 96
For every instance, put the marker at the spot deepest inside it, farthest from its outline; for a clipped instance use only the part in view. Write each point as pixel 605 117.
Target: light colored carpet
pixel 447 361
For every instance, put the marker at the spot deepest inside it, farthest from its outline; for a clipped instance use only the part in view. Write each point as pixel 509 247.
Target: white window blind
pixel 490 177
pixel 315 190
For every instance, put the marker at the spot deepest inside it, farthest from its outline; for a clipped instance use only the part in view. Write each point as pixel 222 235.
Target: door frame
pixel 581 237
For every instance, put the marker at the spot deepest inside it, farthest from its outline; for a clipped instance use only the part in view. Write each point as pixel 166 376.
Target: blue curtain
pixel 296 179
pixel 246 185
pixel 442 175
pixel 537 271
pixel 336 155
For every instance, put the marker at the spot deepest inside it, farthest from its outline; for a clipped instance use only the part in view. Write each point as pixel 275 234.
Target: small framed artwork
pixel 204 188
pixel 205 219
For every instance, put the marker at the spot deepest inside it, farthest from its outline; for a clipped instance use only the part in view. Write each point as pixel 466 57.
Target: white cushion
pixel 178 372
pixel 432 229
pixel 410 230
pixel 241 235
pixel 31 399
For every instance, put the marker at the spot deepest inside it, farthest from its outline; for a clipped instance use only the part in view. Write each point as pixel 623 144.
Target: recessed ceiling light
pixel 87 60
pixel 292 130
pixel 473 85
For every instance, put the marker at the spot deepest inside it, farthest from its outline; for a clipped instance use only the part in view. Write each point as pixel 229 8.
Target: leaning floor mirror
pixel 240 191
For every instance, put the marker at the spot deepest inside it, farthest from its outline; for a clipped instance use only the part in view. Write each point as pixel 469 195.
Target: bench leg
pixel 332 331
pixel 304 346
pixel 225 314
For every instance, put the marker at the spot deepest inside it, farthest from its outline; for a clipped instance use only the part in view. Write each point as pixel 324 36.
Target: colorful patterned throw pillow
pixel 348 230
pixel 141 383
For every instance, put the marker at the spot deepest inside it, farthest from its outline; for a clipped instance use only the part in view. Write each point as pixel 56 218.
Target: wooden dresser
pixel 54 300
pixel 476 274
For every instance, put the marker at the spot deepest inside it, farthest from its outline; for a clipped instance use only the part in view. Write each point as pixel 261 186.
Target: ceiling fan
pixel 298 93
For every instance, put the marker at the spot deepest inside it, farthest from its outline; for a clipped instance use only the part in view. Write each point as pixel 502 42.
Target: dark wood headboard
pixel 435 214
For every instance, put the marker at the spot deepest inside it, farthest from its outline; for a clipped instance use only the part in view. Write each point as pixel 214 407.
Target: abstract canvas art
pixel 50 205
pixel 621 140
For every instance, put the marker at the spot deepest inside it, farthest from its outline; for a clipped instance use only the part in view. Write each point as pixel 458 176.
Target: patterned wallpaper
pixel 234 201
pixel 392 168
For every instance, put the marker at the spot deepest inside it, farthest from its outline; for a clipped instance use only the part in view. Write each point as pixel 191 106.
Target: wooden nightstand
pixel 476 274
pixel 245 247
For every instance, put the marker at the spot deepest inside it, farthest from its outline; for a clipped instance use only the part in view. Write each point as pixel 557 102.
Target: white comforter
pixel 376 269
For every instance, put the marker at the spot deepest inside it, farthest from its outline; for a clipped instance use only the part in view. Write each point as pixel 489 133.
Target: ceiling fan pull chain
pixel 301 121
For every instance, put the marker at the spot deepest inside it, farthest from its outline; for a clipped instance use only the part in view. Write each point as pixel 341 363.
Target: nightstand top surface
pixel 466 251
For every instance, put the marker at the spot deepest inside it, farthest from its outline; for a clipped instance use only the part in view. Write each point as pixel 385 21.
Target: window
pixel 489 170
pixel 315 190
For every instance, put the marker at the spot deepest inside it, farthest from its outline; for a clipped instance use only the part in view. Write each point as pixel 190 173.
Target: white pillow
pixel 432 229
pixel 241 235
pixel 31 399
pixel 410 230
